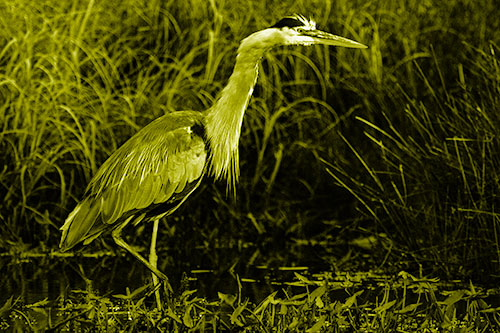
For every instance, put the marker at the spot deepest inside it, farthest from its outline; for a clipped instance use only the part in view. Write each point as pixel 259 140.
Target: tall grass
pixel 422 153
pixel 407 128
pixel 429 175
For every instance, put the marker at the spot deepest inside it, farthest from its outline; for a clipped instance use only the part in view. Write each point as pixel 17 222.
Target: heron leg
pixel 153 260
pixel 119 240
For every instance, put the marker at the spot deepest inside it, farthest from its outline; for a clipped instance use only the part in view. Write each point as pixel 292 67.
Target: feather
pixel 78 223
pixel 144 172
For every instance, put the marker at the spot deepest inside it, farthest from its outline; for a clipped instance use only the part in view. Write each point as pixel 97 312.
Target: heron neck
pixel 225 117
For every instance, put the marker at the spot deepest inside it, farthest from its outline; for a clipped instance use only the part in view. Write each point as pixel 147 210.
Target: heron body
pixel 152 173
pixel 148 177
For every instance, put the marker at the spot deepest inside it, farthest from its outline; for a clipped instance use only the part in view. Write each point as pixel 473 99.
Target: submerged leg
pixel 153 260
pixel 118 240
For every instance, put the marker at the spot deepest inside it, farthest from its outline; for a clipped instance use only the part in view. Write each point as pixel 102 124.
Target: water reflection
pixel 66 287
pixel 52 277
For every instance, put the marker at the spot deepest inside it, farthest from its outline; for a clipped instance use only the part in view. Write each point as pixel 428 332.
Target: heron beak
pixel 326 38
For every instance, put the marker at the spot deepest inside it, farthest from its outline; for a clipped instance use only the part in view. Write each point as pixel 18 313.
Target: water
pixel 44 282
pixel 38 277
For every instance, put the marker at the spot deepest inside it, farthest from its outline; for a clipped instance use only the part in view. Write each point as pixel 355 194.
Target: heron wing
pixel 162 163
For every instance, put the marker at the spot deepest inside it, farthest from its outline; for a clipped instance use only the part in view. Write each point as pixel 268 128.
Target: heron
pixel 158 168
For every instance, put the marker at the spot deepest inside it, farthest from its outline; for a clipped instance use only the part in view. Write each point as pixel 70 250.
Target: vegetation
pixel 346 303
pixel 398 143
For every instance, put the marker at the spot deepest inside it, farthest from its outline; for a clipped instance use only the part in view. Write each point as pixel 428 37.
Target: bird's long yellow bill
pixel 326 38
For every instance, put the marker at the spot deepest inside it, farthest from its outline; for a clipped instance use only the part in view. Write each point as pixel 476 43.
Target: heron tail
pixel 79 223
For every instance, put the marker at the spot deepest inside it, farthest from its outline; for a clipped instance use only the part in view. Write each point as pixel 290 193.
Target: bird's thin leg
pixel 153 260
pixel 118 240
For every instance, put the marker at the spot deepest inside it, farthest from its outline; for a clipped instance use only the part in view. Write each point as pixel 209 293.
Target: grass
pixel 363 302
pixel 449 135
pixel 400 140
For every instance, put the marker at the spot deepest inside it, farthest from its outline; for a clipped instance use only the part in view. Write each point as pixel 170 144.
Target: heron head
pixel 296 30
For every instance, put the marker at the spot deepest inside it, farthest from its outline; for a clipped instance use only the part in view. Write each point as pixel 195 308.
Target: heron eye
pixel 300 30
